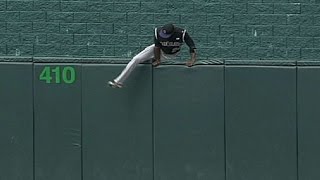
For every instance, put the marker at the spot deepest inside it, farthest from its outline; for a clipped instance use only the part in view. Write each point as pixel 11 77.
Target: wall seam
pixel 81 121
pixel 33 123
pixel 153 123
pixel 297 127
pixel 224 117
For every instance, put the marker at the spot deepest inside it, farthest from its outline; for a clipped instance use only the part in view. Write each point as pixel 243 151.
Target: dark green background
pixel 261 137
pixel 188 114
pixel 251 120
pixel 216 120
pixel 308 122
pixel 57 122
pixel 16 120
pixel 117 124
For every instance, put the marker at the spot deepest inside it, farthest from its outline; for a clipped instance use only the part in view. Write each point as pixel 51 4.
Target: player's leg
pixel 145 55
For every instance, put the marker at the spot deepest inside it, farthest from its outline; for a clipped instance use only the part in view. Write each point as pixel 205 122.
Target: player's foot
pixel 115 84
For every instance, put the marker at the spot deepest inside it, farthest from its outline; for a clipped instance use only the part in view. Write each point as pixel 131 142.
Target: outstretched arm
pixel 193 59
pixel 157 51
pixel 192 47
pixel 157 54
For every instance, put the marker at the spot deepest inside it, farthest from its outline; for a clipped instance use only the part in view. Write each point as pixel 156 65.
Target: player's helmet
pixel 166 31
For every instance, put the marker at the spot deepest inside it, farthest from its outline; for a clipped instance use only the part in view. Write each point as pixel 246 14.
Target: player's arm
pixel 192 49
pixel 193 58
pixel 157 52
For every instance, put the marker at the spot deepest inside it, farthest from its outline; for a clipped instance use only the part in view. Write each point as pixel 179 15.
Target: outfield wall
pixel 224 120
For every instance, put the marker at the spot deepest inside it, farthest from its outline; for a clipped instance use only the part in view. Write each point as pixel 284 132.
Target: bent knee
pixel 138 59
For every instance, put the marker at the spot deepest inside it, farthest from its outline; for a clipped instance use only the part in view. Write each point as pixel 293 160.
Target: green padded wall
pixel 188 111
pixel 57 124
pixel 117 124
pixel 16 121
pixel 242 120
pixel 261 122
pixel 308 122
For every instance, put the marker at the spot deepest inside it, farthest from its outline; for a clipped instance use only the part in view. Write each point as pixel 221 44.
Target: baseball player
pixel 168 40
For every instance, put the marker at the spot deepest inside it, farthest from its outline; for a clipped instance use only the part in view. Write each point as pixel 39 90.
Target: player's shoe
pixel 114 84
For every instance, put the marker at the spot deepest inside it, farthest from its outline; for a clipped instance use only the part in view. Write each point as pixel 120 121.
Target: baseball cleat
pixel 114 84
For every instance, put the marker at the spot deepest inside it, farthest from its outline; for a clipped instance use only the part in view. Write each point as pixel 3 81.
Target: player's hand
pixel 190 63
pixel 156 63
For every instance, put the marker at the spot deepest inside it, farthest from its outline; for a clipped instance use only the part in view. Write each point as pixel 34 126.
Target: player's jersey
pixel 173 44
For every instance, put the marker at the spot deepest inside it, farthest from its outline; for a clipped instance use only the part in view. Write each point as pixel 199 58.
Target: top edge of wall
pixel 107 60
pixel 262 62
pixel 115 60
pixel 309 63
pixel 16 59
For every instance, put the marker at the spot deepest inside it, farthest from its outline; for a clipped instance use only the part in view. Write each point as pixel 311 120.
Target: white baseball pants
pixel 145 55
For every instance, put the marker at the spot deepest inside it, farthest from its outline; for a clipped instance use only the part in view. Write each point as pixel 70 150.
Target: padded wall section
pixel 261 122
pixel 57 95
pixel 117 124
pixel 16 121
pixel 189 122
pixel 308 121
